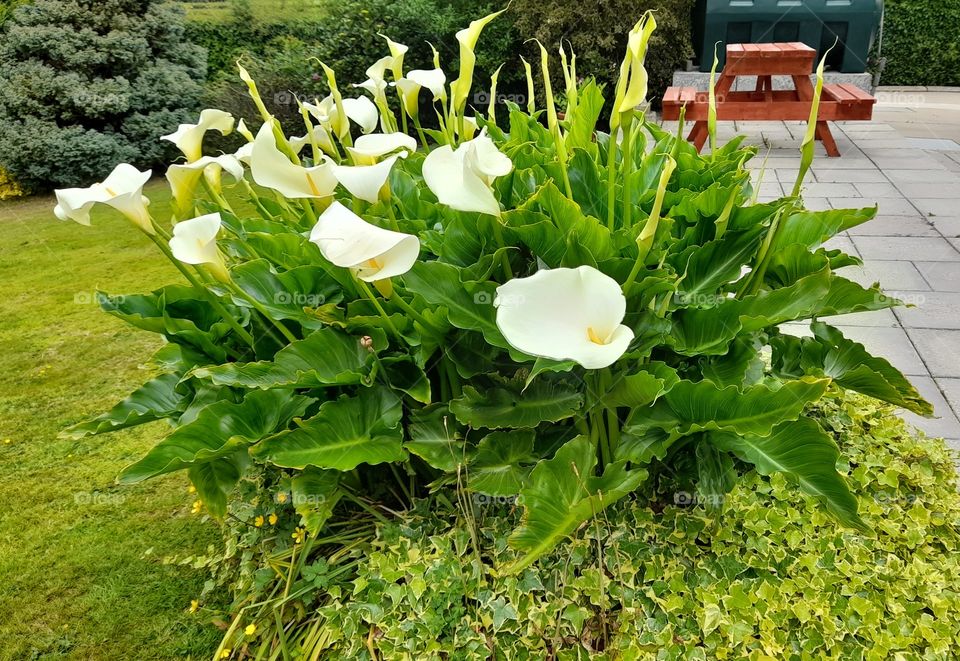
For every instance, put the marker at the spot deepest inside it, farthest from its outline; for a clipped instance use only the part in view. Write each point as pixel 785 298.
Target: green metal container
pixel 816 23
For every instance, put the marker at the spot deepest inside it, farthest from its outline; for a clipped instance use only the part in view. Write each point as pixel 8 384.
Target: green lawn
pixel 263 10
pixel 80 558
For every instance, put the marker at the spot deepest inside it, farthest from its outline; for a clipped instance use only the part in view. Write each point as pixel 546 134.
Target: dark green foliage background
pixel 85 85
pixel 920 42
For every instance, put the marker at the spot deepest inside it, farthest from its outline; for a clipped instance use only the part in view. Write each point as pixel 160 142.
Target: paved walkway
pixel 912 247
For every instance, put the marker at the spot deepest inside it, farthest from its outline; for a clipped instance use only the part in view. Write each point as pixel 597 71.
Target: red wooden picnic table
pixel 838 102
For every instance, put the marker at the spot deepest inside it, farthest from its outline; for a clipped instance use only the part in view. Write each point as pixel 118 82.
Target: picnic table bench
pixel 838 101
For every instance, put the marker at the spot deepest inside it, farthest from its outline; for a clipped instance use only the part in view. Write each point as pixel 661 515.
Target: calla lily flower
pixel 462 178
pixel 374 253
pixel 565 314
pixel 433 79
pixel 319 134
pixel 410 95
pixel 460 88
pixel 122 190
pixel 189 137
pixel 366 181
pixel 362 112
pixel 194 241
pixel 368 148
pixel 397 51
pixel 272 169
pixel 244 131
pixel 243 154
pixel 184 177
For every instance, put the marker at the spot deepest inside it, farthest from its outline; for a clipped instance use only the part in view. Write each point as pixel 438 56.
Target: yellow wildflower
pixel 250 630
pixel 273 518
pixel 225 654
pixel 194 605
pixel 282 497
pixel 299 535
pixel 191 489
pixel 197 506
pixel 258 521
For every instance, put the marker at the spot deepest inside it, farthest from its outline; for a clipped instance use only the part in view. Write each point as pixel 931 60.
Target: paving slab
pixel 945 423
pixel 942 276
pixel 889 273
pixel 915 225
pixel 932 309
pixel 931 249
pixel 940 350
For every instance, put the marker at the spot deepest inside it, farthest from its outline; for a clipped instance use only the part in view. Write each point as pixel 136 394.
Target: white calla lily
pixel 362 112
pixel 243 154
pixel 462 178
pixel 184 177
pixel 397 51
pixel 189 137
pixel 565 314
pixel 460 88
pixel 368 148
pixel 272 169
pixel 374 253
pixel 319 134
pixel 366 181
pixel 244 131
pixel 433 79
pixel 194 241
pixel 122 190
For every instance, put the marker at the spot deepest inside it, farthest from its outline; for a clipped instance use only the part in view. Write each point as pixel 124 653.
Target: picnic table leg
pixel 824 135
pixel 698 136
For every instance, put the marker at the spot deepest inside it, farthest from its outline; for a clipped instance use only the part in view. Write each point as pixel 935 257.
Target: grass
pixel 80 558
pixel 263 10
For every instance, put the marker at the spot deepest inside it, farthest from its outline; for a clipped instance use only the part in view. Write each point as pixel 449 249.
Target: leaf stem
pixel 376 304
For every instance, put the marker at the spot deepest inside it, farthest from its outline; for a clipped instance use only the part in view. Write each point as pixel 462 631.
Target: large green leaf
pixel 325 357
pixel 501 462
pixel 811 228
pixel 802 451
pixel 514 407
pixel 693 406
pixel 849 364
pixel 469 304
pixel 715 263
pixel 715 474
pixel 563 492
pixel 344 433
pixel 155 400
pixel 287 294
pixel 434 436
pixel 215 479
pixel 219 429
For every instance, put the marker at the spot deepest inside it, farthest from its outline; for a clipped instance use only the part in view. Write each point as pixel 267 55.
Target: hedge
pixel 920 42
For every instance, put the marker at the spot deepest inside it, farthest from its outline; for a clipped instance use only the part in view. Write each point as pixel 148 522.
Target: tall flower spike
pixel 565 314
pixel 374 253
pixel 189 137
pixel 122 190
pixel 460 88
pixel 462 178
pixel 272 169
pixel 194 241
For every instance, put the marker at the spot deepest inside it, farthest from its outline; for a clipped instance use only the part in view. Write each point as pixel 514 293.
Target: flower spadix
pixel 189 137
pixel 565 314
pixel 374 253
pixel 122 190
pixel 194 241
pixel 462 178
pixel 271 168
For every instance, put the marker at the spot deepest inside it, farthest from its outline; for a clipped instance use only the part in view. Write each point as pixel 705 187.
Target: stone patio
pixel 912 247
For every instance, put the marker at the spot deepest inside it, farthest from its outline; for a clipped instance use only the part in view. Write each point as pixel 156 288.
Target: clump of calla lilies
pixel 563 303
